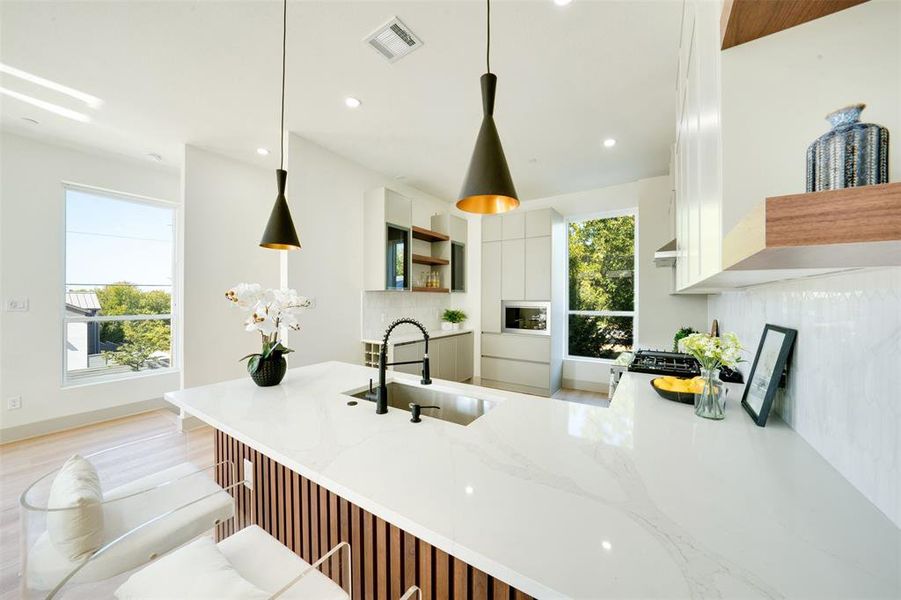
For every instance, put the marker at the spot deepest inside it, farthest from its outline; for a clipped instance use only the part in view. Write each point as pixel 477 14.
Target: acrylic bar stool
pixel 139 491
pixel 272 570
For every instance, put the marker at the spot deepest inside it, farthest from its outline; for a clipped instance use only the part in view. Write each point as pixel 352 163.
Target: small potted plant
pixel 451 319
pixel 270 311
pixel 712 353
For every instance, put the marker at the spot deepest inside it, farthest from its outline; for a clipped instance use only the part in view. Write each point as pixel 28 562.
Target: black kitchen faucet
pixel 381 395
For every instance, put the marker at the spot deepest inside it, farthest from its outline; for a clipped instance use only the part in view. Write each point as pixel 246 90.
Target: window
pixel 601 282
pixel 118 284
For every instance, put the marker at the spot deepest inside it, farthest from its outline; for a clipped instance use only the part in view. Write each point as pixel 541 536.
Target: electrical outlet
pixel 248 474
pixel 17 305
pixel 14 403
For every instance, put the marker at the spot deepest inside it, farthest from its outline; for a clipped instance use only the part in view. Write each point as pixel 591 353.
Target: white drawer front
pixel 514 371
pixel 518 347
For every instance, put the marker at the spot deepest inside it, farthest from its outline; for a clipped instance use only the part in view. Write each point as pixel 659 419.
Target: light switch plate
pixel 14 403
pixel 17 305
pixel 248 474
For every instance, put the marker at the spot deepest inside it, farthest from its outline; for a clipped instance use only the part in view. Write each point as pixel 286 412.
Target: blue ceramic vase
pixel 850 155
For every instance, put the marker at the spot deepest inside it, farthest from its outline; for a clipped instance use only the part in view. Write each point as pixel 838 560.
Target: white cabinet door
pixel 464 357
pixel 398 209
pixel 513 280
pixel 538 222
pixel 492 228
pixel 405 352
pixel 446 363
pixel 538 269
pixel 491 286
pixel 514 226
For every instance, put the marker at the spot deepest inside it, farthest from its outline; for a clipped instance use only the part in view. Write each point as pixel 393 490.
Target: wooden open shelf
pixel 419 259
pixel 432 290
pixel 427 235
pixel 852 227
pixel 746 20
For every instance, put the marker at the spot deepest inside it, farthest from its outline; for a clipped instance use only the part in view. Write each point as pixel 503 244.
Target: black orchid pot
pixel 270 371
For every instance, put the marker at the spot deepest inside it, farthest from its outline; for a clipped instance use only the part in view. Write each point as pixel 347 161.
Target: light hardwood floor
pixel 23 462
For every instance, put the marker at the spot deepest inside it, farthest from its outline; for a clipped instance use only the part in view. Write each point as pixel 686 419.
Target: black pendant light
pixel 488 187
pixel 280 233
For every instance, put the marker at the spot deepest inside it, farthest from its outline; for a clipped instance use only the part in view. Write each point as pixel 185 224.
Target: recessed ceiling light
pixel 263 151
pixel 398 177
pixel 562 2
pixel 606 545
pixel 92 101
pixel 48 106
pixel 351 102
pixel 609 143
pixel 31 121
pixel 155 156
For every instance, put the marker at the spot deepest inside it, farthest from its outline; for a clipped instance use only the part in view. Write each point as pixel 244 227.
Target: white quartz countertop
pixel 641 499
pixel 406 338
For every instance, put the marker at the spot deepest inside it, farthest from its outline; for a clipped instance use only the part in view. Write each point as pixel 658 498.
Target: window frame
pixel 609 214
pixel 67 379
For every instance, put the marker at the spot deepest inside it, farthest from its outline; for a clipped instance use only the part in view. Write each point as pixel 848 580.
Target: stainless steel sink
pixel 456 408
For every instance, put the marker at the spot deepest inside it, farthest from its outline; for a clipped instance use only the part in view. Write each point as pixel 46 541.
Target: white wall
pixel 325 192
pixel 842 393
pixel 778 89
pixel 226 205
pixel 31 254
pixel 660 314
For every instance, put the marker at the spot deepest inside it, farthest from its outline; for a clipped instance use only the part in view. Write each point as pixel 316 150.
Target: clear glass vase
pixel 711 402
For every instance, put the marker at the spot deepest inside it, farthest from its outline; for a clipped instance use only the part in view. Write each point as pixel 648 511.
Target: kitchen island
pixel 549 498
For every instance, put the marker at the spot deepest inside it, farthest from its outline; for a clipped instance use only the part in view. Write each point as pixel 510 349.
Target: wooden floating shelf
pixel 852 227
pixel 431 290
pixel 419 259
pixel 427 235
pixel 746 20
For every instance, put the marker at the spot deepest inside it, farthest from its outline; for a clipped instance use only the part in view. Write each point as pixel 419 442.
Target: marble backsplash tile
pixel 843 394
pixel 380 308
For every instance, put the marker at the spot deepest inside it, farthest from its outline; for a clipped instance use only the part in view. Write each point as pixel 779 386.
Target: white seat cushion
pixel 46 567
pixel 266 563
pixel 198 571
pixel 78 530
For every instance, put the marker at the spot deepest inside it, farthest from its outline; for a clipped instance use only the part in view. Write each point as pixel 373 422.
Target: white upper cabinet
pixel 538 271
pixel 492 228
pixel 697 154
pixel 387 217
pixel 538 222
pixel 491 286
pixel 514 226
pixel 513 279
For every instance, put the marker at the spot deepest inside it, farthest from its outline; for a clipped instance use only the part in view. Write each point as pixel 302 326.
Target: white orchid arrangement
pixel 269 311
pixel 713 352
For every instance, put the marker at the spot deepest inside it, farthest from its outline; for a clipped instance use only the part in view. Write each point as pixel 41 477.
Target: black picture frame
pixel 770 362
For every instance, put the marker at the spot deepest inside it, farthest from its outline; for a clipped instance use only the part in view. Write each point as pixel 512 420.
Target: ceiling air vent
pixel 393 40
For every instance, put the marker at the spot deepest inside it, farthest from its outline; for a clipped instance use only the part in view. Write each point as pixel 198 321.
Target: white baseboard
pixel 38 428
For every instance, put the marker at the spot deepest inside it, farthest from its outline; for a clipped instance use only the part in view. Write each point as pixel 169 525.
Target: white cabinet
pixel 538 222
pixel 697 154
pixel 492 228
pixel 491 286
pixel 450 357
pixel 514 226
pixel 538 268
pixel 513 278
pixel 387 219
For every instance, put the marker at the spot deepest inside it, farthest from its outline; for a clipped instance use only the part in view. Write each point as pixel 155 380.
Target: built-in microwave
pixel 526 317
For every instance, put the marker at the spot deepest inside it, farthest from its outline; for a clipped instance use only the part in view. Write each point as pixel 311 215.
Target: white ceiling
pixel 207 73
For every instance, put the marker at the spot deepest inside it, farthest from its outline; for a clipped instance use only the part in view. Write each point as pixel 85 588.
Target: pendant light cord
pixel 281 160
pixel 488 45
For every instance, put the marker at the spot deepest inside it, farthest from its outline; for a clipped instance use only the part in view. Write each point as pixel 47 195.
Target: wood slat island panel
pixel 310 520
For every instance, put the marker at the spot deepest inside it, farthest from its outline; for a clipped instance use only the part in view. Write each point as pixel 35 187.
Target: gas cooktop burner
pixel 658 362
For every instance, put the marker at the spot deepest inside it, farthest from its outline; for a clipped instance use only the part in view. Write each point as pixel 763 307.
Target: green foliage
pixel 453 316
pixel 137 340
pixel 269 349
pixel 601 277
pixel 683 332
pixel 601 264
